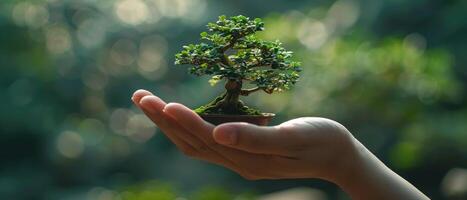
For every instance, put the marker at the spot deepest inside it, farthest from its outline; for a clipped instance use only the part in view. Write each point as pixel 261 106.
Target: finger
pixel 138 95
pixel 202 129
pixel 251 164
pixel 191 121
pixel 252 138
pixel 152 106
pixel 186 142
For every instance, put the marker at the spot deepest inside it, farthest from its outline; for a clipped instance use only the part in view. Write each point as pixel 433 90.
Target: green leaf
pixel 215 79
pixel 222 18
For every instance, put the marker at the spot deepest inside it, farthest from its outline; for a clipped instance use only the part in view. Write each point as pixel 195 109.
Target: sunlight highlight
pixel 133 12
pixel 70 144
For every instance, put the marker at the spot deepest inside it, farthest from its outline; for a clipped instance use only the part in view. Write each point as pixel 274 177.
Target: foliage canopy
pixel 233 52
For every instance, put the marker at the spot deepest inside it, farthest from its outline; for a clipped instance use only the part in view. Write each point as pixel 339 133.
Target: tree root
pixel 218 106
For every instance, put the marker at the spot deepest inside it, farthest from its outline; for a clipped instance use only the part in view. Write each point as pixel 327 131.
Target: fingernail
pixel 227 136
pixel 147 106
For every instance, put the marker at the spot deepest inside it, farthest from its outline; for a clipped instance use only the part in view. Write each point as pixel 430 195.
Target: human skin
pixel 307 147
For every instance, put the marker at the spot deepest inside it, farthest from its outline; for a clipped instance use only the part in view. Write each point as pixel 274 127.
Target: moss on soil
pixel 211 108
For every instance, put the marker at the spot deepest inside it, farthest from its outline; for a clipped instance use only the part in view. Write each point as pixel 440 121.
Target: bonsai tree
pixel 233 53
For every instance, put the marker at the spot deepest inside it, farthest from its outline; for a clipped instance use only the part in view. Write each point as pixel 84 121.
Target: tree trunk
pixel 231 102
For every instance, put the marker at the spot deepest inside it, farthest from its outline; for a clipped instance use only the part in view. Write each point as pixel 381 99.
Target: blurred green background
pixel 393 72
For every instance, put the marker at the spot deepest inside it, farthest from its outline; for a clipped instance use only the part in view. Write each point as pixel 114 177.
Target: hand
pixel 300 148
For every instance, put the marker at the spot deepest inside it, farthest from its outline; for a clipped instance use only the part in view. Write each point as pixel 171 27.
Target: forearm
pixel 368 178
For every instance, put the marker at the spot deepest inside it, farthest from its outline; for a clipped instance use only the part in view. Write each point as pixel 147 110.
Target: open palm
pixel 299 148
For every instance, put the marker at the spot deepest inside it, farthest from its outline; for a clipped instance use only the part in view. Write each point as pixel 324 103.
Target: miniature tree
pixel 233 53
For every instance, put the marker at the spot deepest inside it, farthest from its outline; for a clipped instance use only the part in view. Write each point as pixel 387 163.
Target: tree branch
pixel 246 92
pixel 225 58
pixel 231 43
pixel 224 65
pixel 259 63
pixel 269 91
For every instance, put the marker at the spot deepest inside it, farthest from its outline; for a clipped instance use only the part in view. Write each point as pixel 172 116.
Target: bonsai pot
pixel 260 120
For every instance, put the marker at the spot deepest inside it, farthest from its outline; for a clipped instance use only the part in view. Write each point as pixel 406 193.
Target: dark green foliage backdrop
pixel 393 72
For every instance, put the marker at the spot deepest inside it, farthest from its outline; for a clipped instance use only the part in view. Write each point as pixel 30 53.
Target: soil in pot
pixel 260 120
pixel 228 108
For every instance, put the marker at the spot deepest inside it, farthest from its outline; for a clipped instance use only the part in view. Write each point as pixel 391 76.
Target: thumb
pixel 251 138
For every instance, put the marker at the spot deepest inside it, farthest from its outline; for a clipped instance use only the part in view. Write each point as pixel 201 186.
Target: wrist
pixel 348 170
pixel 364 176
